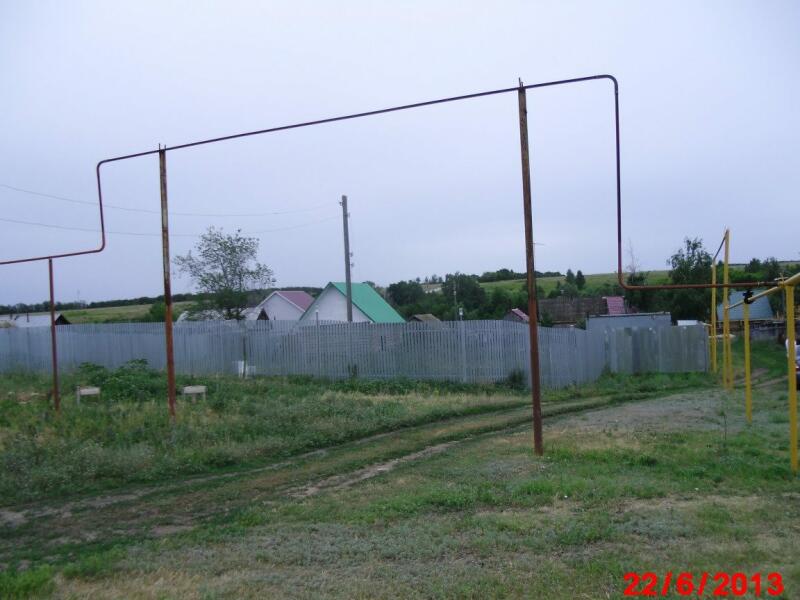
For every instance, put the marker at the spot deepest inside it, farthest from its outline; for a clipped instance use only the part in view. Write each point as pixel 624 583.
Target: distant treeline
pixel 488 276
pixel 463 292
pixel 691 263
pixel 509 274
pixel 254 297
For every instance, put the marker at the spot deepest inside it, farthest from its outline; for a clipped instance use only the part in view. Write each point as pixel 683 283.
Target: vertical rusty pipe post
pixel 726 325
pixel 536 392
pixel 791 360
pixel 713 338
pixel 53 347
pixel 748 382
pixel 162 164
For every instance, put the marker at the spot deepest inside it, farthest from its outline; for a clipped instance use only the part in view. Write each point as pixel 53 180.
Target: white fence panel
pixel 468 351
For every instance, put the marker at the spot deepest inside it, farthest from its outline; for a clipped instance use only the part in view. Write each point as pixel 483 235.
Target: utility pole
pixel 533 332
pixel 347 256
pixel 171 392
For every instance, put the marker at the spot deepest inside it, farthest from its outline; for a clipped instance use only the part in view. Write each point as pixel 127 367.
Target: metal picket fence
pixel 468 351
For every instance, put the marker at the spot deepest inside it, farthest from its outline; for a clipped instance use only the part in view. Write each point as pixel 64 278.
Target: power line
pixel 152 211
pixel 135 233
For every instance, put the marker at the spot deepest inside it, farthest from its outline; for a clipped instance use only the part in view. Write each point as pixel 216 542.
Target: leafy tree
pixel 224 269
pixel 643 300
pixel 468 292
pixel 754 266
pixel 690 264
pixel 405 292
pixel 499 303
pixel 570 278
pixel 580 280
pixel 771 269
pixel 570 290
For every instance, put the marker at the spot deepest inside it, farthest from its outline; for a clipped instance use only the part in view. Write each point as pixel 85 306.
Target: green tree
pixel 580 280
pixel 643 300
pixel 754 266
pixel 468 293
pixel 771 269
pixel 404 293
pixel 570 278
pixel 499 303
pixel 570 290
pixel 223 270
pixel 690 264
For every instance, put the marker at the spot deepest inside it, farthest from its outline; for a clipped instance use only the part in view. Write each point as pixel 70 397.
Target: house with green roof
pixel 368 306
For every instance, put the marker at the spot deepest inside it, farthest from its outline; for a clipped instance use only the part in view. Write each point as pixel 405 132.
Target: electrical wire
pixel 144 234
pixel 157 212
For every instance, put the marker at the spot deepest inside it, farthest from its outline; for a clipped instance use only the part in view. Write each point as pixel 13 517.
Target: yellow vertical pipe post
pixel 791 358
pixel 727 363
pixel 713 319
pixel 748 389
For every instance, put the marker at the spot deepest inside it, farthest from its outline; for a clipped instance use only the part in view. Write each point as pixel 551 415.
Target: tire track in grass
pixel 149 512
pixel 15 515
pixel 345 480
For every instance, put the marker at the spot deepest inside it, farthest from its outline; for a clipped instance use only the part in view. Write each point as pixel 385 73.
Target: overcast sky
pixel 709 120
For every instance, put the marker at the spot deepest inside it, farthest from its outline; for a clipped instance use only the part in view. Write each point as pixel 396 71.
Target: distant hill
pixel 120 311
pixel 592 281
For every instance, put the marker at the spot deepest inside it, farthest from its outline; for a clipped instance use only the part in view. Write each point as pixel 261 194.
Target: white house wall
pixel 280 309
pixel 332 306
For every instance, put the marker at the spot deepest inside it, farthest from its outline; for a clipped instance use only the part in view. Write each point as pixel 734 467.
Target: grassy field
pixel 115 313
pixel 439 496
pixel 592 281
pixel 127 436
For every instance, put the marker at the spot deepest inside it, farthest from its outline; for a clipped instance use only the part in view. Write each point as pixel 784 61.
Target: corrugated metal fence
pixel 470 351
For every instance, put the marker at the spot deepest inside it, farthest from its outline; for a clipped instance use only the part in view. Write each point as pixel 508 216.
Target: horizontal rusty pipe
pixel 100 248
pixel 456 99
pixel 793 280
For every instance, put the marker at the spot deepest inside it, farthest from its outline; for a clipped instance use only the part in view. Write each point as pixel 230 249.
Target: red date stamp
pixel 711 584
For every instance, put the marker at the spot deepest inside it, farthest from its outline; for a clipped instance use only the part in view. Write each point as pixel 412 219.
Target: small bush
pixel 93 566
pixel 516 380
pixel 134 380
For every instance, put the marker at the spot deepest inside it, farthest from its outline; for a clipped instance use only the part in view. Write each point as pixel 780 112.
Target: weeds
pixel 35 582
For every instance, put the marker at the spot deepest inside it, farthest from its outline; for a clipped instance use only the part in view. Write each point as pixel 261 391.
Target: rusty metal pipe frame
pixel 53 348
pixel 49 259
pixel 359 115
pixel 793 280
pixel 520 89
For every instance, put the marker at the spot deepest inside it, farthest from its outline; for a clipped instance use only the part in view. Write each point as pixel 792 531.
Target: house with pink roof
pixel 285 305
